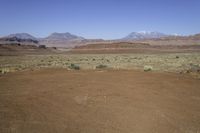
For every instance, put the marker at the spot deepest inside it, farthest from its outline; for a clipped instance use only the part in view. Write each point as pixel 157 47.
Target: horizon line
pixel 50 33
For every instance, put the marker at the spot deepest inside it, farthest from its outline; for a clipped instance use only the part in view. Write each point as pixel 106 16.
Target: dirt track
pixel 61 101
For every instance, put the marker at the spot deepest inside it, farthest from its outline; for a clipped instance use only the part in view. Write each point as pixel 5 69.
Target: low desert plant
pixel 4 70
pixel 101 66
pixel 42 46
pixel 148 68
pixel 194 68
pixel 74 66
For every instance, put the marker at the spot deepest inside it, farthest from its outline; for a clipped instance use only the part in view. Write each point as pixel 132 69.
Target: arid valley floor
pixel 66 92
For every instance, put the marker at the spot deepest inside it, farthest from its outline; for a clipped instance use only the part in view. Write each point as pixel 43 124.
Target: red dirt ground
pixel 127 47
pixel 61 101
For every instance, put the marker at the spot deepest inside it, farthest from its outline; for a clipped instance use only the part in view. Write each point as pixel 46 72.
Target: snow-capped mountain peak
pixel 144 35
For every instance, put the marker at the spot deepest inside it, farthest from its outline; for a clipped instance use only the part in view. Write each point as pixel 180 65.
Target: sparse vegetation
pixel 101 66
pixel 74 66
pixel 194 68
pixel 4 70
pixel 148 68
pixel 42 46
pixel 159 62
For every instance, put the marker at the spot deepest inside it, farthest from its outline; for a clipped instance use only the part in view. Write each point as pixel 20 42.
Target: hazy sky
pixel 107 19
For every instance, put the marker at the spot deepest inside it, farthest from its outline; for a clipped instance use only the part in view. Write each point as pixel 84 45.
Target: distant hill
pixel 144 35
pixel 174 40
pixel 22 38
pixel 61 40
pixel 196 36
pixel 63 36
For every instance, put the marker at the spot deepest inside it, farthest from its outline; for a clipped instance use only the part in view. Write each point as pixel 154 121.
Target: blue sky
pixel 108 19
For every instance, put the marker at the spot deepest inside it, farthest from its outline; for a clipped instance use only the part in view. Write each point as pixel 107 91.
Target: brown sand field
pixel 98 101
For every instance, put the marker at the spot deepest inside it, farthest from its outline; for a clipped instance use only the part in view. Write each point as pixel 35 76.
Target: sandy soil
pixel 61 101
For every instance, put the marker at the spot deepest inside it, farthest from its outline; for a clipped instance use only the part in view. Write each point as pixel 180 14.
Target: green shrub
pixel 74 66
pixel 101 66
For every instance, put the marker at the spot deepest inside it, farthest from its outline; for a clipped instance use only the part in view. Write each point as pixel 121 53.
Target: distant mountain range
pixel 144 35
pixel 70 40
pixel 63 36
pixel 61 40
pixel 23 36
